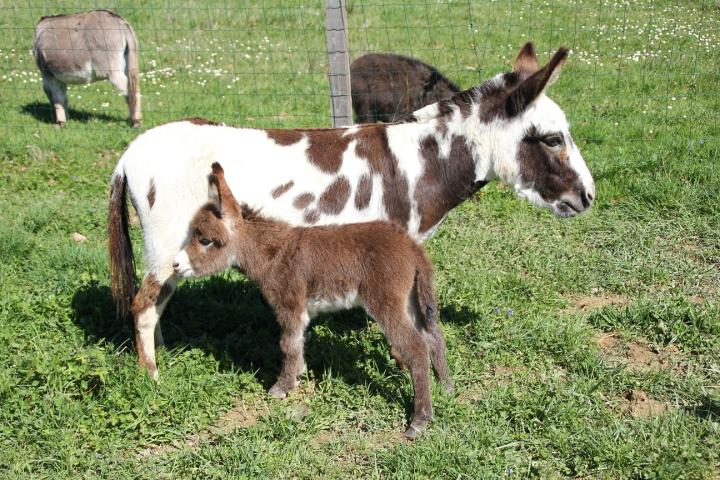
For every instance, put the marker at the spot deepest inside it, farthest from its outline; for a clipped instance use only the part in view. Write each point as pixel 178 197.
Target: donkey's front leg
pixel 147 306
pixel 292 340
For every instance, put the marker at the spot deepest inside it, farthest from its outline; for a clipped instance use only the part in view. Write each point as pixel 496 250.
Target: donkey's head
pixel 213 232
pixel 523 138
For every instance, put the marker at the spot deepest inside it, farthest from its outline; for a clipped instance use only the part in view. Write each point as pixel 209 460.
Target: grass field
pixel 587 348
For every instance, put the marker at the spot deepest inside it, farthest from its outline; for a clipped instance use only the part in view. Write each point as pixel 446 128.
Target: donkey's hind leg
pixel 56 92
pixel 148 305
pixel 120 81
pixel 436 344
pixel 435 341
pixel 408 344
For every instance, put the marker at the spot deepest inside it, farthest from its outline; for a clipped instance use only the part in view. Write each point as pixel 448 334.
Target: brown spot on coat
pixel 151 193
pixel 326 148
pixel 311 216
pixel 303 200
pixel 284 137
pixel 363 192
pixel 280 189
pixel 335 196
pixel 445 182
pixel 373 145
pixel 147 296
pixel 201 121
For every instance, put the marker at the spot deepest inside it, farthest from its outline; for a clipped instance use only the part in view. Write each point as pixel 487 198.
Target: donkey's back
pixel 85 47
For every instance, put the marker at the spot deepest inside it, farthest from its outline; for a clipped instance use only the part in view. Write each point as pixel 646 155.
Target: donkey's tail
pixel 122 266
pixel 133 74
pixel 424 288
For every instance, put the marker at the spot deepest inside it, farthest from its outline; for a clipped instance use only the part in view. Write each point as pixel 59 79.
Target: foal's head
pixel 214 232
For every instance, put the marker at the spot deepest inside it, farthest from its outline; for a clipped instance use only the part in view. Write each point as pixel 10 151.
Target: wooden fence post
pixel 338 62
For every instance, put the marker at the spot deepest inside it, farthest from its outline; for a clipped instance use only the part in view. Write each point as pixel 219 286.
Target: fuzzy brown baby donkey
pixel 302 271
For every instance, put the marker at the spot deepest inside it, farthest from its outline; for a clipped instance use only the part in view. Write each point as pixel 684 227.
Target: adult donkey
pixel 413 173
pixel 86 47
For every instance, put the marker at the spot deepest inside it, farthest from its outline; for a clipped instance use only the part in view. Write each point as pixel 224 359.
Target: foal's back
pixel 368 259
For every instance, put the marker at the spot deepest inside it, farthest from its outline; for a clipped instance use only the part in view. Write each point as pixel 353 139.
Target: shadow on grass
pixel 708 409
pixel 230 320
pixel 43 112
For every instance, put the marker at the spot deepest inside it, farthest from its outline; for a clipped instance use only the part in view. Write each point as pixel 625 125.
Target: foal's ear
pixel 533 86
pixel 526 62
pixel 214 192
pixel 226 203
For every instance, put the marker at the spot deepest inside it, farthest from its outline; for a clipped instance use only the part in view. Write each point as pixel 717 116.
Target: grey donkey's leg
pixel 56 92
pixel 120 81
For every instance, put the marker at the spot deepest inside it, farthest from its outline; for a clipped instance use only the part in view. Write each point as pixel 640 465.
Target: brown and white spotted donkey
pixel 413 173
pixel 303 271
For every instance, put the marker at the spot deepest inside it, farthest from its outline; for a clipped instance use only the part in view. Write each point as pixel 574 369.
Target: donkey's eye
pixel 552 141
pixel 205 242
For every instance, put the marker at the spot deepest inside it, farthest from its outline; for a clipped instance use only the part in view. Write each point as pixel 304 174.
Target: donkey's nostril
pixel 590 196
pixel 586 198
pixel 176 265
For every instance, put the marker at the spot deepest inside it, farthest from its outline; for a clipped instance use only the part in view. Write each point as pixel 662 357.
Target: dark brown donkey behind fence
pixel 387 87
pixel 86 47
pixel 302 271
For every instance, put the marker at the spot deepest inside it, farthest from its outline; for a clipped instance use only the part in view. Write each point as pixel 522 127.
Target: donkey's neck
pixel 455 156
pixel 260 244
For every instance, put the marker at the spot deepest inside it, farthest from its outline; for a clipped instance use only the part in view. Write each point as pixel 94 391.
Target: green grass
pixel 536 395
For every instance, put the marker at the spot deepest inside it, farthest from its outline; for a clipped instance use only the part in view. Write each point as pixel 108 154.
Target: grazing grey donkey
pixel 86 47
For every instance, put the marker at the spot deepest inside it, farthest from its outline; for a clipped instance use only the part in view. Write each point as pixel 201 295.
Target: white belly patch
pixel 315 306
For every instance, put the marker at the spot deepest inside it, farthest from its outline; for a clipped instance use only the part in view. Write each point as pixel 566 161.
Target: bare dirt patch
pixel 588 303
pixel 639 404
pixel 241 415
pixel 637 356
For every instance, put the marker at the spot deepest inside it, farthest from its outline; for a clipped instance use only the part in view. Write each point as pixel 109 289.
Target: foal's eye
pixel 552 141
pixel 205 242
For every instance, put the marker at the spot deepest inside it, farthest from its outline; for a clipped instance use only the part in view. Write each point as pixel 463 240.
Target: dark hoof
pixel 413 432
pixel 278 391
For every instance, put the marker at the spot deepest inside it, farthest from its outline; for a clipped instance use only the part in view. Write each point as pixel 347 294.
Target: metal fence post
pixel 338 62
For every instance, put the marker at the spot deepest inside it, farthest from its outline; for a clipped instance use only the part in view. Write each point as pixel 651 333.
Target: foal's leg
pixel 148 305
pixel 56 92
pixel 408 344
pixel 293 324
pixel 435 341
pixel 436 345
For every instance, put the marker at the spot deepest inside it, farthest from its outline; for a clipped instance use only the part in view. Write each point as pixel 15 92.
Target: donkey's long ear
pixel 226 202
pixel 214 192
pixel 535 85
pixel 526 62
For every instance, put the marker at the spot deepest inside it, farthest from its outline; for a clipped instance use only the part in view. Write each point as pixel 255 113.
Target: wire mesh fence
pixel 640 69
